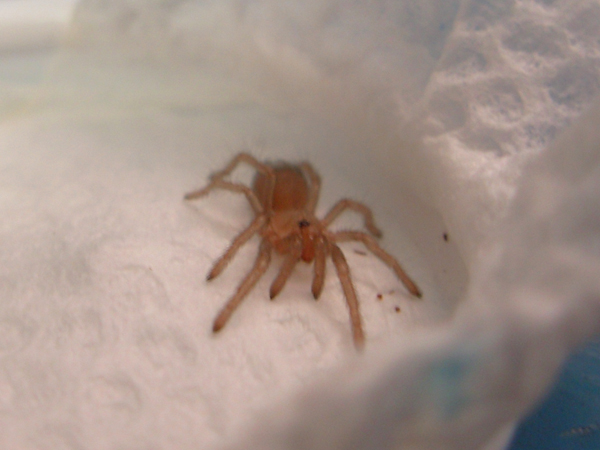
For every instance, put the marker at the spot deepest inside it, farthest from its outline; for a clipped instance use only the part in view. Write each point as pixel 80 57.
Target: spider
pixel 284 197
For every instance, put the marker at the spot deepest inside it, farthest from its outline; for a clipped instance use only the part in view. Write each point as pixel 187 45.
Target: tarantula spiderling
pixel 284 198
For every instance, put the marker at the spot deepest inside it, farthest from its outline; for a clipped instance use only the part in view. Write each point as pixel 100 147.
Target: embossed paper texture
pixel 470 129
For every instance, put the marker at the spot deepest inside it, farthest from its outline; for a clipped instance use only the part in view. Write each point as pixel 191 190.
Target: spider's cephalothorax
pixel 284 198
pixel 291 225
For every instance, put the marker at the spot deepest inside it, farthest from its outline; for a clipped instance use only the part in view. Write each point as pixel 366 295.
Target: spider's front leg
pixel 217 181
pixel 343 271
pixel 220 265
pixel 293 256
pixel 319 266
pixel 260 266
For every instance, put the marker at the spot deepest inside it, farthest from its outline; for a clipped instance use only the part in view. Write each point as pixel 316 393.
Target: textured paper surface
pixel 426 111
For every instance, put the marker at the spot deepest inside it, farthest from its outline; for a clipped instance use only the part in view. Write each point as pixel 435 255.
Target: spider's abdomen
pixel 291 189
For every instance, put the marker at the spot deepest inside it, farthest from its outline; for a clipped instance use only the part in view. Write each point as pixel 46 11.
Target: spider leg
pixel 389 260
pixel 315 186
pixel 345 204
pixel 240 240
pixel 228 186
pixel 218 182
pixel 343 271
pixel 287 267
pixel 242 157
pixel 260 266
pixel 319 267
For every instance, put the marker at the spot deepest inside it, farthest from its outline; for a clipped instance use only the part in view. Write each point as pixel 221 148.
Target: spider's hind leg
pixel 314 187
pixel 241 158
pixel 217 181
pixel 389 260
pixel 358 207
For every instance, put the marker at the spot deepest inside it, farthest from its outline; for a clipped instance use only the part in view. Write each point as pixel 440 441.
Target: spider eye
pixel 303 223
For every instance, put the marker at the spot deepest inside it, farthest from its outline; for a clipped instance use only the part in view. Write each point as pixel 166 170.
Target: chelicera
pixel 284 198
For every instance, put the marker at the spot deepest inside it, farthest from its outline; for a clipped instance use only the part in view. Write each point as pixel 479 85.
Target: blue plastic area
pixel 569 419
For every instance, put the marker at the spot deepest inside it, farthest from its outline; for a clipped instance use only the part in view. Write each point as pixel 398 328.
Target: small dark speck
pixel 379 296
pixel 397 309
pixel 445 236
pixel 360 252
